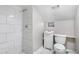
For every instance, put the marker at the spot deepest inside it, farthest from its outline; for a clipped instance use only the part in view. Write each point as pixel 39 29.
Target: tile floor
pixel 46 51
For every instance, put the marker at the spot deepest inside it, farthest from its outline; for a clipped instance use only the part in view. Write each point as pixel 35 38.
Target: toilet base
pixel 59 52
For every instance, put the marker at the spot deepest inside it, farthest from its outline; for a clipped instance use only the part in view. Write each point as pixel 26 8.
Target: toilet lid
pixel 59 46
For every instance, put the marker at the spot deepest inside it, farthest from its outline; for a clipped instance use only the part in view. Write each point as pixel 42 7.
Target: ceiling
pixel 63 12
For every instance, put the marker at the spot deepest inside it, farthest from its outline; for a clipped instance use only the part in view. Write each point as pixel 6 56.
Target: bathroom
pixel 62 20
pixel 22 28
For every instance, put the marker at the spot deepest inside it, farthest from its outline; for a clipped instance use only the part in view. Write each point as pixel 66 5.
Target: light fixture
pixel 55 6
pixel 11 16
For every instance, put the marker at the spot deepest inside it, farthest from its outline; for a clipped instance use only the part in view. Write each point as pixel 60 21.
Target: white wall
pixel 65 27
pixel 38 29
pixel 10 29
pixel 62 16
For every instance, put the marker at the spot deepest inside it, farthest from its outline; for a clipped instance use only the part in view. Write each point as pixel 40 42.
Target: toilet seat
pixel 59 46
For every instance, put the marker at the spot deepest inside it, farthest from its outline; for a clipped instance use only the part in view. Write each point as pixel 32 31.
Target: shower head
pixel 24 10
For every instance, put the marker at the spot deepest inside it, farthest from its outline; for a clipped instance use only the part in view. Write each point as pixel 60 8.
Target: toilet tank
pixel 60 38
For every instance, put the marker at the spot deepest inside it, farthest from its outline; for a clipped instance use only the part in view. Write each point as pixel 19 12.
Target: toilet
pixel 59 46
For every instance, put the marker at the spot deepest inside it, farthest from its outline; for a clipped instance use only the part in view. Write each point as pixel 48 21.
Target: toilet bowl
pixel 59 47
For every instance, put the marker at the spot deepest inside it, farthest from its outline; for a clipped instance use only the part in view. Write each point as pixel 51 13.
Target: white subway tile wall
pixel 2 37
pixel 3 28
pixel 10 33
pixel 2 19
